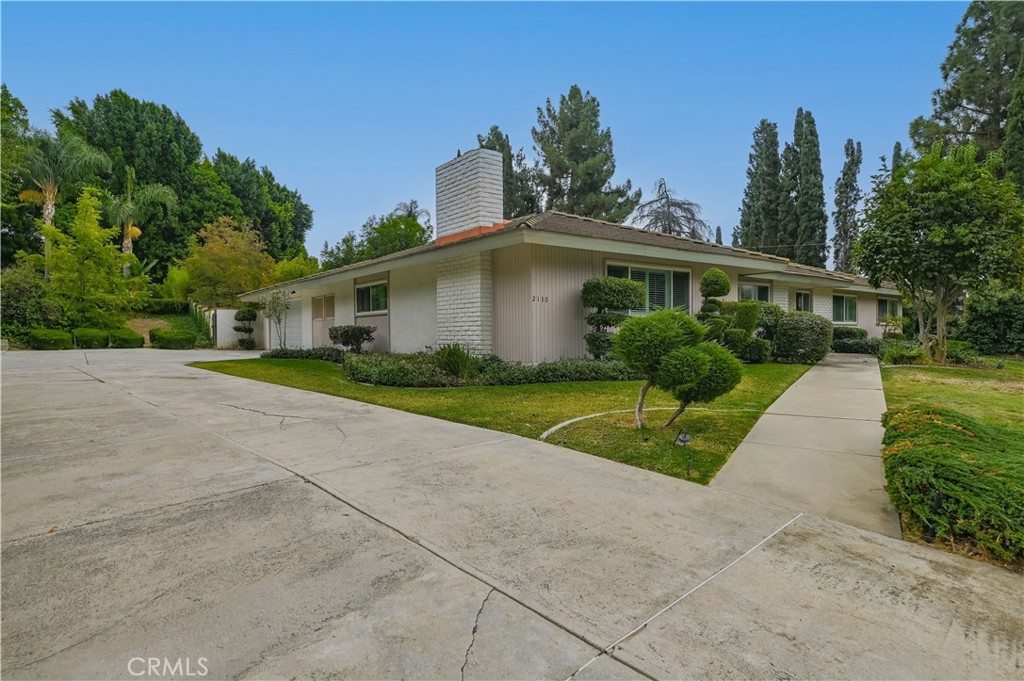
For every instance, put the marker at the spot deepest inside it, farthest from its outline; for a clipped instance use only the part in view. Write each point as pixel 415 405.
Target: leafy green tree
pixel 759 211
pixel 812 237
pixel 519 195
pixel 377 237
pixel 18 231
pixel 130 209
pixel 576 162
pixel 1013 146
pixel 939 226
pixel 668 214
pixel 225 260
pixel 292 268
pixel 643 342
pixel 848 196
pixel 977 75
pixel 343 253
pixel 86 269
pixel 28 301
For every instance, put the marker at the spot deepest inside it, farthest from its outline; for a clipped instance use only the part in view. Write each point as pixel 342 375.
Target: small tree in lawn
pixel 643 342
pixel 607 295
pixel 940 226
pixel 680 375
pixel 245 317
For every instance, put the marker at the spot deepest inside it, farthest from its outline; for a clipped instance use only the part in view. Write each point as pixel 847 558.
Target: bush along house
pixel 512 287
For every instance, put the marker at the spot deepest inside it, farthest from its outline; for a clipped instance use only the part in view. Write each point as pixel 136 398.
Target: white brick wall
pixel 464 302
pixel 468 192
pixel 821 302
pixel 780 295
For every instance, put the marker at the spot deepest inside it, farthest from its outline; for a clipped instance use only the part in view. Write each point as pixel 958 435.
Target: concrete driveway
pixel 152 510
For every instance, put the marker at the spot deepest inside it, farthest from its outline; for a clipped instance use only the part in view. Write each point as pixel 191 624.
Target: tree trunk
pixel 126 247
pixel 682 408
pixel 922 324
pixel 49 208
pixel 940 328
pixel 640 404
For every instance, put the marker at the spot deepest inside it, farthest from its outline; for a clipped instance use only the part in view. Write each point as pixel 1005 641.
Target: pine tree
pixel 811 247
pixel 576 161
pixel 718 235
pixel 1013 146
pixel 735 237
pixel 845 216
pixel 520 197
pixel 897 156
pixel 759 211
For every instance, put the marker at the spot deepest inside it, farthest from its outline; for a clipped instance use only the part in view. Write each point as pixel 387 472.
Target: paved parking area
pixel 151 509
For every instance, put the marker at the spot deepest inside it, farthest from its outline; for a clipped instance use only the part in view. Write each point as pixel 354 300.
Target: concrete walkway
pixel 155 510
pixel 818 447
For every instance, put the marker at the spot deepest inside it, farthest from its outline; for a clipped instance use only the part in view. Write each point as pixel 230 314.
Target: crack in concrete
pixel 266 413
pixel 472 640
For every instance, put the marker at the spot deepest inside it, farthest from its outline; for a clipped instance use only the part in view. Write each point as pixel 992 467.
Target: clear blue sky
pixel 355 104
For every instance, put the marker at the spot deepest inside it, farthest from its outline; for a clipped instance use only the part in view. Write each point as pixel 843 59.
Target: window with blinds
pixel 665 288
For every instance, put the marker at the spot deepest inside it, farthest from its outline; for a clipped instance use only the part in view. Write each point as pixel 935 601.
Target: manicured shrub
pixel 164 306
pixel 995 321
pixel 90 338
pixel 325 353
pixel 864 346
pixel 682 368
pixel 172 339
pixel 803 337
pixel 771 315
pixel 848 332
pixel 954 479
pixel 735 339
pixel 961 352
pixel 50 339
pixel 724 372
pixel 410 371
pixel 457 361
pixel 607 295
pixel 245 317
pixel 126 338
pixel 714 283
pixel 903 352
pixel 746 315
pixel 756 351
pixel 352 336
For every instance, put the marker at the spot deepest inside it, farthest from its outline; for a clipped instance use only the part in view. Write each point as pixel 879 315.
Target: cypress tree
pixel 735 237
pixel 759 211
pixel 789 226
pixel 718 235
pixel 1013 146
pixel 897 156
pixel 844 217
pixel 811 246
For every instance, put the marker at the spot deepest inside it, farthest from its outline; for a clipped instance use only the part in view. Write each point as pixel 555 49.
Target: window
pixel 844 309
pixel 372 298
pixel 888 307
pixel 754 292
pixel 665 288
pixel 803 301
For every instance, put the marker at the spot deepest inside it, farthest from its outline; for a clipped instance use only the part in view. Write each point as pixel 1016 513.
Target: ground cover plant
pixel 531 409
pixel 955 438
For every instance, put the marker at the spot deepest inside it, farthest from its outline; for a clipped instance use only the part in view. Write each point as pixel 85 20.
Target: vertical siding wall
pixel 465 300
pixel 413 302
pixel 513 285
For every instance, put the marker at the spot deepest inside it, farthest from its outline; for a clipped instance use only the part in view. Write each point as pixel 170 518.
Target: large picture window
pixel 844 309
pixel 372 298
pixel 754 292
pixel 665 288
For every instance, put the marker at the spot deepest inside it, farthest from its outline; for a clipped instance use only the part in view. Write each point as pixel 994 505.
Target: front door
pixel 323 319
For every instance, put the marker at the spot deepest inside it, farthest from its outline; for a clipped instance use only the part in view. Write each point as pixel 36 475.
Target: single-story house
pixel 512 288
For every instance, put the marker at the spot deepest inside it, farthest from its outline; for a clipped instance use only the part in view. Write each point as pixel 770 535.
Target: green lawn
pixel 529 410
pixel 994 397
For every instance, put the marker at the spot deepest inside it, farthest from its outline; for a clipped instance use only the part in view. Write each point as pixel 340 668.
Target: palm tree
pixel 54 162
pixel 411 209
pixel 669 215
pixel 132 207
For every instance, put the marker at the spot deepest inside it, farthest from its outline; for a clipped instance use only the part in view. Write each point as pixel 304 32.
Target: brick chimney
pixel 469 195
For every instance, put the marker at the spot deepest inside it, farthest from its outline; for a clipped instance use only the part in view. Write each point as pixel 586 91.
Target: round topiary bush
pixel 90 339
pixel 172 339
pixel 715 283
pixel 771 315
pixel 126 338
pixel 50 339
pixel 756 351
pixel 682 368
pixel 803 337
pixel 724 373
